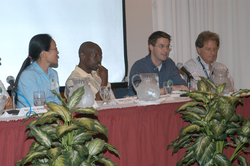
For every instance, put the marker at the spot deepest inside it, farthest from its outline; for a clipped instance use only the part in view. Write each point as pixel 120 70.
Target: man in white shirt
pixel 90 55
pixel 207 46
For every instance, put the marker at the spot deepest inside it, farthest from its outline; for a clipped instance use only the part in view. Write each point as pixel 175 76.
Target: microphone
pixel 181 67
pixel 11 81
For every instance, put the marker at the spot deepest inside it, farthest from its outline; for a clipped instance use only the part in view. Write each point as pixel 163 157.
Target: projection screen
pixel 70 23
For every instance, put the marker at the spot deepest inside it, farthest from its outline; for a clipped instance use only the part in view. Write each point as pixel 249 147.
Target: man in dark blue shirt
pixel 157 61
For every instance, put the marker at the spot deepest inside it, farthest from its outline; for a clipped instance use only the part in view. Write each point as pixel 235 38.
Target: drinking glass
pixel 168 87
pixel 39 98
pixel 105 93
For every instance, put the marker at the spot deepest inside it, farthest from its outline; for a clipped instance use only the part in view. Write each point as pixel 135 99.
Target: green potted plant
pixel 66 136
pixel 212 120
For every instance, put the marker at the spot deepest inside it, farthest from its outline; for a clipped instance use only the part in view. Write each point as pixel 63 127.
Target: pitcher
pixel 88 97
pixel 219 76
pixel 148 88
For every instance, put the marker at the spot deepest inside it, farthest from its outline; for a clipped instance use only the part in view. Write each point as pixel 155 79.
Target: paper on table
pixel 5 114
pixel 36 109
pixel 125 100
pixel 112 102
pixel 176 93
pixel 143 102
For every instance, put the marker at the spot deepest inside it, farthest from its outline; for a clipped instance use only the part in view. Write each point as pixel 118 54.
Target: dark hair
pixel 156 35
pixel 38 43
pixel 205 36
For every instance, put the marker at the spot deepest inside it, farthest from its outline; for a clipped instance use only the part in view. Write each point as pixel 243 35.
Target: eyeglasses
pixel 169 47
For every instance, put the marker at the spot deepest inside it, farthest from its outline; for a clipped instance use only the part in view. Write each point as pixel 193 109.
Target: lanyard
pixel 204 69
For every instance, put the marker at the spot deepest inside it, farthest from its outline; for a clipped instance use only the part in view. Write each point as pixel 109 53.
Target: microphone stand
pixel 188 82
pixel 13 94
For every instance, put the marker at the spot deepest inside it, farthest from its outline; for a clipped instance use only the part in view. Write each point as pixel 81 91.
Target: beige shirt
pixel 195 68
pixel 94 80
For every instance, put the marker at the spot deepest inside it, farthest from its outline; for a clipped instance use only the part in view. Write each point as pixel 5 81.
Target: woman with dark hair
pixel 35 73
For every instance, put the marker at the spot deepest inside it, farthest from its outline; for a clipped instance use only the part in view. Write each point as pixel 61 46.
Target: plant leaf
pixel 82 150
pixel 242 161
pixel 236 118
pixel 190 116
pixel 188 104
pixel 202 86
pixel 187 157
pixel 89 110
pixel 107 162
pixel 197 110
pixel 198 96
pixel 230 131
pixel 75 98
pixel 60 161
pixel 81 137
pixel 189 129
pixel 234 100
pixel 235 139
pixel 95 146
pixel 54 152
pixel 210 83
pixel 60 110
pixel 221 159
pixel 34 146
pixel 243 139
pixel 85 163
pixel 84 122
pixel 32 155
pixel 218 129
pixel 59 97
pixel 112 148
pixel 240 92
pixel 221 88
pixel 226 109
pixel 50 129
pixel 183 144
pixel 204 149
pixel 210 115
pixel 48 117
pixel 41 136
pixel 100 128
pixel 246 127
pixel 62 129
pixel 73 157
pixel 209 163
pixel 191 161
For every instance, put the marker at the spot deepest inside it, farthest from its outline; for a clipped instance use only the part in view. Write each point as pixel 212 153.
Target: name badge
pixel 53 84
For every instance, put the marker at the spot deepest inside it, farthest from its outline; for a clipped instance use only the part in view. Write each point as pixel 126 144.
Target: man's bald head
pixel 86 46
pixel 90 55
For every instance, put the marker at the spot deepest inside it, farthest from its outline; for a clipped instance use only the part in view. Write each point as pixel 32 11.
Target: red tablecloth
pixel 141 135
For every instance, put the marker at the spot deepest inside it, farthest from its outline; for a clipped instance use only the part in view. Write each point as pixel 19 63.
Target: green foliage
pixel 61 138
pixel 212 120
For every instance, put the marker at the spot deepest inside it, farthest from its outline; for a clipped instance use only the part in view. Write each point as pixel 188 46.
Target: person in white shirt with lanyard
pixel 8 100
pixel 207 46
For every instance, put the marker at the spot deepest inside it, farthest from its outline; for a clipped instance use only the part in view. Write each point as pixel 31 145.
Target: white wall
pixel 139 28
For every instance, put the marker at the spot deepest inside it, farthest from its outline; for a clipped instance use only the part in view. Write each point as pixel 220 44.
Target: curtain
pixel 230 19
